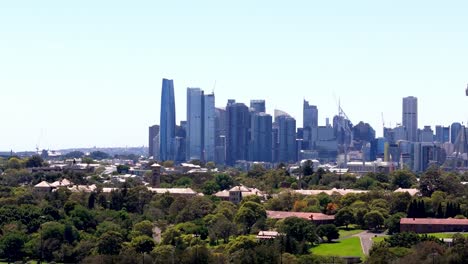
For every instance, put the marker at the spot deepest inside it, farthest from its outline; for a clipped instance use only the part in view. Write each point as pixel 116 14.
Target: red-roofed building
pixel 317 218
pixel 433 225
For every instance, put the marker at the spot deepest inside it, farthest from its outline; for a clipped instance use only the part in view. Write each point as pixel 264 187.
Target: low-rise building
pixel 236 193
pixel 317 218
pixel 329 192
pixel 411 191
pixel 433 225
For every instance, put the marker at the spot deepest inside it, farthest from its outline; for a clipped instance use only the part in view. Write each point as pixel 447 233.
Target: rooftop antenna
pixel 214 86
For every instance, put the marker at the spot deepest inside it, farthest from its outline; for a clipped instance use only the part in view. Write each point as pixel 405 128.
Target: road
pixel 366 240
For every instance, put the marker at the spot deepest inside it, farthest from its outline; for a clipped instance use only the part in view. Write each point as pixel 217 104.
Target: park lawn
pixel 378 239
pixel 346 233
pixel 346 247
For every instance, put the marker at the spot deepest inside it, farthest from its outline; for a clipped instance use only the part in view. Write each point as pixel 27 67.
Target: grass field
pixel 347 247
pixel 378 239
pixel 345 233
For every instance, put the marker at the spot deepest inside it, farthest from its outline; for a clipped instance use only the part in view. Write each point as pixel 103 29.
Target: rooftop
pixel 308 216
pixel 433 221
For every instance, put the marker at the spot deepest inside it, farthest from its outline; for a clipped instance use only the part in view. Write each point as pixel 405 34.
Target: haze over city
pixel 76 76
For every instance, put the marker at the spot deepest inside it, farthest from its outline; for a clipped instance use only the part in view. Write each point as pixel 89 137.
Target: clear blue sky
pixel 88 73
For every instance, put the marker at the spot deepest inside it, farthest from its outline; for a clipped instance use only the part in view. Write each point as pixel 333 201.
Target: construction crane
pixel 466 91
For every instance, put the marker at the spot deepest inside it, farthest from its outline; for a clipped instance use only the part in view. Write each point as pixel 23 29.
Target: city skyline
pixel 88 74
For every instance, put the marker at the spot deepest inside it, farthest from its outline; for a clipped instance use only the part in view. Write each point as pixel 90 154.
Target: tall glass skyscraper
pixel 258 106
pixel 200 125
pixel 261 137
pixel 195 116
pixel 410 117
pixel 310 115
pixel 455 128
pixel 286 137
pixel 167 121
pixel 237 132
pixel 209 127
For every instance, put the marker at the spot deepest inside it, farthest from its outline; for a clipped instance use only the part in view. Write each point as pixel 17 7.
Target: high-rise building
pixel 410 117
pixel 310 125
pixel 220 136
pixel 195 127
pixel 426 134
pixel 455 128
pixel 261 132
pixel 442 134
pixel 310 115
pixel 286 126
pixel 167 121
pixel 258 106
pixel 209 130
pixel 237 132
pixel 363 132
pixel 153 132
pixel 200 125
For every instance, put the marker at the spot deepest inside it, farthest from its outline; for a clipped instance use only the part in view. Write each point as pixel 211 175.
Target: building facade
pixel 237 137
pixel 410 117
pixel 167 121
pixel 152 134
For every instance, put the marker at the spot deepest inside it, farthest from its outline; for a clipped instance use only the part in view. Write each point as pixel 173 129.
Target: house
pixel 329 192
pixel 43 186
pixel 264 235
pixel 236 193
pixel 188 192
pixel 433 225
pixel 317 218
pixel 411 191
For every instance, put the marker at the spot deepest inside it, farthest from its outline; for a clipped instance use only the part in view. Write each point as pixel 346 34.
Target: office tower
pixel 286 126
pixel 310 125
pixel 195 118
pixel 426 134
pixel 363 132
pixel 261 132
pixel 410 117
pixel 442 134
pixel 153 132
pixel 209 132
pixel 258 106
pixel 220 136
pixel 200 125
pixel 455 128
pixel 310 115
pixel 237 132
pixel 167 121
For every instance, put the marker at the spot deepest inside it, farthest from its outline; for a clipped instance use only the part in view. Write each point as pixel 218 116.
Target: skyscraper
pixel 209 128
pixel 310 125
pixel 442 134
pixel 258 106
pixel 455 128
pixel 310 115
pixel 195 128
pixel 261 137
pixel 152 133
pixel 237 132
pixel 220 135
pixel 200 125
pixel 286 126
pixel 167 121
pixel 410 117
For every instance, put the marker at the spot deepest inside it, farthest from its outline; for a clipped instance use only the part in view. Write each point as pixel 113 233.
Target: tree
pixel 14 163
pixel 143 228
pixel 403 179
pixel 374 219
pixel 91 200
pixel 249 213
pixel 393 223
pixel 224 181
pixel 142 244
pixel 12 246
pixel 122 169
pixel 99 155
pixel 308 169
pixel 34 161
pixel 430 181
pixel 222 227
pixel 110 243
pixel 329 231
pixel 210 187
pixel 298 231
pixel 344 217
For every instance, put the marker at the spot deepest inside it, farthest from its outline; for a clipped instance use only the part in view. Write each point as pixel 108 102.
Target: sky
pixel 88 73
